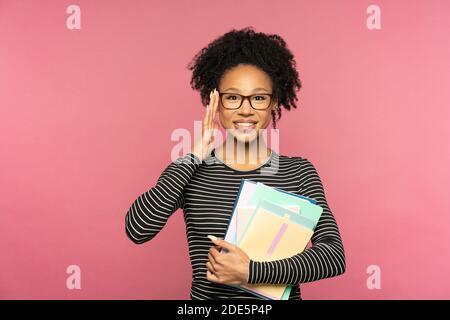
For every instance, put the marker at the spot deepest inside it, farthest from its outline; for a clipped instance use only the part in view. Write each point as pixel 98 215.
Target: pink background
pixel 87 115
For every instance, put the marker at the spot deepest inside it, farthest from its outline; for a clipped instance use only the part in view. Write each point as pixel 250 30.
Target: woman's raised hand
pixel 205 144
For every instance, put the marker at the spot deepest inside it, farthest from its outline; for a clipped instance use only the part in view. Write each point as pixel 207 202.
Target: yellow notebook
pixel 274 233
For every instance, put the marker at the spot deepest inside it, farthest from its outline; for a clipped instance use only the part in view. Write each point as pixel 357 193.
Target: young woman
pixel 244 77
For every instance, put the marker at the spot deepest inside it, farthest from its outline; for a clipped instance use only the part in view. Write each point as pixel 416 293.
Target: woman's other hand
pixel 231 267
pixel 205 144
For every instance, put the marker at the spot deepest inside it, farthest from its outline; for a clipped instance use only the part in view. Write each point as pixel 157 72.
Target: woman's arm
pixel 150 211
pixel 324 259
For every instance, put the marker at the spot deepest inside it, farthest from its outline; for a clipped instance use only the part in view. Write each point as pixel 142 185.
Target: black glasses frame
pixel 245 97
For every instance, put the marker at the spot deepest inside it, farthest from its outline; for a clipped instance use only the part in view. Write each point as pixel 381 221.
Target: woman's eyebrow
pixel 256 89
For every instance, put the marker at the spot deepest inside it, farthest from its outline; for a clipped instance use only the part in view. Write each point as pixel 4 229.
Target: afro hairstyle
pixel 268 52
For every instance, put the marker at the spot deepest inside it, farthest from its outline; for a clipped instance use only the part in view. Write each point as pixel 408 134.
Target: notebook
pixel 264 223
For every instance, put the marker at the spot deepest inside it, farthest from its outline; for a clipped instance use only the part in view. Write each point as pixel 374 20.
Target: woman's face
pixel 245 80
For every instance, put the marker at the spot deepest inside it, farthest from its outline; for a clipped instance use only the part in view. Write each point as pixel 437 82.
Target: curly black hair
pixel 265 51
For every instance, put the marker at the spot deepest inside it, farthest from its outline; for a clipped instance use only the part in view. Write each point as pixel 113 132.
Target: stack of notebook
pixel 271 224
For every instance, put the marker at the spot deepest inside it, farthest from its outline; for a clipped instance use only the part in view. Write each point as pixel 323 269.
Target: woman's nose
pixel 246 108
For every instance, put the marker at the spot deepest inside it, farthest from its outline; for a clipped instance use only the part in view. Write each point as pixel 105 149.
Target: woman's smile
pixel 245 125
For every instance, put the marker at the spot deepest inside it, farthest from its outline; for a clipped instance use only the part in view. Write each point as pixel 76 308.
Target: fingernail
pixel 212 238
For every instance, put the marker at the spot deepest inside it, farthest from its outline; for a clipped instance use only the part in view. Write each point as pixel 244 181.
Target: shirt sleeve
pixel 324 259
pixel 149 213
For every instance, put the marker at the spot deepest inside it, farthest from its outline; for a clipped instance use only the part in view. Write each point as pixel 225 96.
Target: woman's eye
pixel 260 98
pixel 231 97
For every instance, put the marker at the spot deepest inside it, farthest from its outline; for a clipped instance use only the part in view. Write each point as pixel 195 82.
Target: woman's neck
pixel 243 154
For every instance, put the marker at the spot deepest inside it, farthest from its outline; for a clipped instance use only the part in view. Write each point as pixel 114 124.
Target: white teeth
pixel 243 124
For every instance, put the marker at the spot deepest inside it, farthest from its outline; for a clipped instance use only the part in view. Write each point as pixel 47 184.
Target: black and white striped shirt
pixel 207 190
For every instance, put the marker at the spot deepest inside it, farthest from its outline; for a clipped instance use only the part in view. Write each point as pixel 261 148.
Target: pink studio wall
pixel 87 115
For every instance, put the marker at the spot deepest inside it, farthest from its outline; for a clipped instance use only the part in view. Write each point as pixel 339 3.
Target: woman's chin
pixel 244 136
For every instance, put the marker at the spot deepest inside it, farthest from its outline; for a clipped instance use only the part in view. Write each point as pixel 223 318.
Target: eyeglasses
pixel 233 101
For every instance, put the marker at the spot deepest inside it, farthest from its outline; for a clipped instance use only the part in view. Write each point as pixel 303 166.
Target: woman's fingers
pixel 210 267
pixel 210 117
pixel 206 120
pixel 211 108
pixel 216 104
pixel 211 262
pixel 211 258
pixel 214 252
pixel 209 126
pixel 211 100
pixel 200 147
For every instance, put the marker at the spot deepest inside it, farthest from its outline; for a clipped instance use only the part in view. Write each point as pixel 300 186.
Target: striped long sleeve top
pixel 206 191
